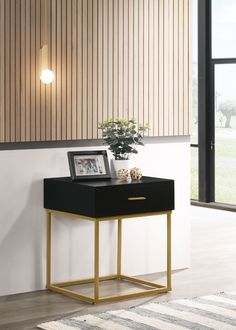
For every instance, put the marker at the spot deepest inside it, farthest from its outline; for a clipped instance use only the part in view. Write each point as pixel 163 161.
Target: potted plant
pixel 123 137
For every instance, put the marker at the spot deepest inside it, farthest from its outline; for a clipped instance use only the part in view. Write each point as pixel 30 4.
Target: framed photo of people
pixel 88 165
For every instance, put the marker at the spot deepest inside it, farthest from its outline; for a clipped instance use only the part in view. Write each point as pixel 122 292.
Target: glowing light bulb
pixel 47 76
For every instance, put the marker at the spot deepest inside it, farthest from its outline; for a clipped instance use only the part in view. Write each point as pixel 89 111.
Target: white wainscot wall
pixel 22 220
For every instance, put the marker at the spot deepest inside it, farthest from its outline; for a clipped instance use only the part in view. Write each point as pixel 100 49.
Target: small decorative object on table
pixel 88 164
pixel 136 173
pixel 123 174
pixel 123 137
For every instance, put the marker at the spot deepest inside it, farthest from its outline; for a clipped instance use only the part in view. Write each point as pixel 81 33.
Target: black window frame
pixel 206 108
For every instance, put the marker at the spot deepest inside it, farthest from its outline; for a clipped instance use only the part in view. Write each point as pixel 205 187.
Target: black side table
pixel 108 200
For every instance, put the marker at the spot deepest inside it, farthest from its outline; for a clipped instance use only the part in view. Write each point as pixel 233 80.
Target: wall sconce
pixel 47 76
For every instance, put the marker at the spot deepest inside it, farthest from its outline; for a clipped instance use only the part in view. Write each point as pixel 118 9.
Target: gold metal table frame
pixel 61 287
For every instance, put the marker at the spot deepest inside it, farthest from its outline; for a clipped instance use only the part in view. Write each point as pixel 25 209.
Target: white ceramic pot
pixel 117 165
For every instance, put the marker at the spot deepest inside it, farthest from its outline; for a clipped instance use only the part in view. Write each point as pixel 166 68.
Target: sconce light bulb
pixel 47 76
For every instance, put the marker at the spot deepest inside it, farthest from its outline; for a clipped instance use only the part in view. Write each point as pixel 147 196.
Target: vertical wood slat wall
pixel 111 58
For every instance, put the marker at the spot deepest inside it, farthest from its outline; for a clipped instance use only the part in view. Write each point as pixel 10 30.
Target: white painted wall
pixel 22 220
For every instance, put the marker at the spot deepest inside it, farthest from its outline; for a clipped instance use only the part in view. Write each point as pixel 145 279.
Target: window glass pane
pixel 225 133
pixel 194 173
pixel 194 136
pixel 223 28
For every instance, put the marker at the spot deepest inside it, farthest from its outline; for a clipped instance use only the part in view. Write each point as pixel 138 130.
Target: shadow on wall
pixel 22 246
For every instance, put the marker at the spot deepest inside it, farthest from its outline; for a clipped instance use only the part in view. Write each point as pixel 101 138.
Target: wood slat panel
pixel 155 68
pixel 33 72
pixel 48 94
pixel 58 82
pixel 121 58
pixel 69 70
pixel 23 56
pixel 131 59
pixel 171 69
pixel 146 60
pixel 53 59
pixel 161 68
pixel 105 59
pixel 136 60
pixel 7 71
pixel 14 24
pixel 126 61
pixel 90 70
pixel 85 69
pixel 73 71
pixel 176 68
pixel 26 121
pixel 150 114
pixel 79 67
pixel 37 69
pixel 141 62
pixel 186 66
pixel 181 68
pixel 111 58
pixel 100 64
pixel 43 87
pixel 95 69
pixel 166 24
pixel 64 81
pixel 115 59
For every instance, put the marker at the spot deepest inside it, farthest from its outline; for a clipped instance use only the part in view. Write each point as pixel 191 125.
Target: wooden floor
pixel 213 270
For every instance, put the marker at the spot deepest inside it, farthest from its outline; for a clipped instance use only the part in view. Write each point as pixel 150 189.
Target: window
pixel 216 142
pixel 225 133
pixel 223 28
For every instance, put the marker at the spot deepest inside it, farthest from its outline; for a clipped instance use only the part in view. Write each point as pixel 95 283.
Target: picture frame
pixel 89 165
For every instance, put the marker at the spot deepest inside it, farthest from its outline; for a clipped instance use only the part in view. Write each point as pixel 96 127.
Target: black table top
pixel 109 182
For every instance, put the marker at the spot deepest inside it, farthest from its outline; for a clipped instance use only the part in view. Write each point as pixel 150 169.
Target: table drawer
pixel 151 197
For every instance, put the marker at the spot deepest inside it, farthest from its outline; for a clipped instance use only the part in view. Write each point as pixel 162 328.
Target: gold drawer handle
pixel 136 198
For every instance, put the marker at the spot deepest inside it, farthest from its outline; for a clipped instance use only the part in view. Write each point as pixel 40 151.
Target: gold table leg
pixel 49 232
pixel 96 261
pixel 119 247
pixel 155 288
pixel 169 251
